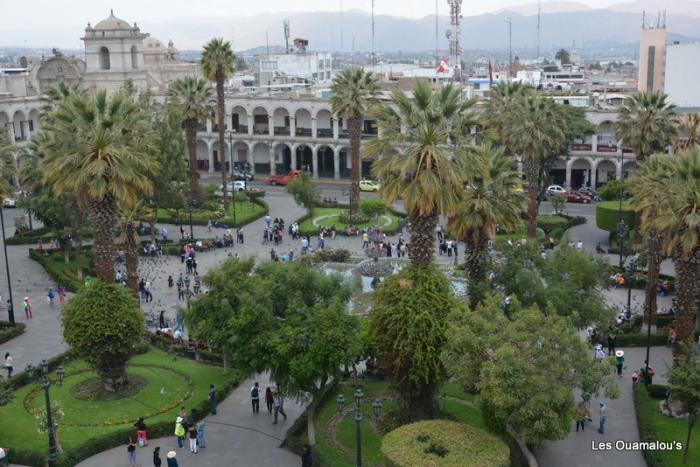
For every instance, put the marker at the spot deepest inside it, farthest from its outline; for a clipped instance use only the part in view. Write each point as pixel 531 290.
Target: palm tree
pixel 490 201
pixel 647 123
pixel 415 156
pixel 690 122
pixel 100 147
pixel 218 63
pixel 354 91
pixel 676 221
pixel 497 114
pixel 128 217
pixel 8 167
pixel 193 98
pixel 539 133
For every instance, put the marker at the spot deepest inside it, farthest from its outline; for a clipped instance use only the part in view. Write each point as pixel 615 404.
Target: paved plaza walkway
pixel 235 436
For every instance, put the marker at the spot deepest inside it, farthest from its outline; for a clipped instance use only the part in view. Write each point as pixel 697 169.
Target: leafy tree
pixel 102 323
pixel 567 282
pixel 647 123
pixel 372 208
pixel 287 319
pixel 218 63
pixel 354 91
pixel 595 66
pixel 425 172
pixel 684 382
pixel 304 191
pixel 558 203
pixel 611 190
pixel 489 201
pixel 563 56
pixel 8 168
pixel 670 188
pixel 408 323
pixel 524 366
pixel 194 100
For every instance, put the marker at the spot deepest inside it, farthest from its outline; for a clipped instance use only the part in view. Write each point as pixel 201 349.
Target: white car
pixel 237 185
pixel 9 203
pixel 555 190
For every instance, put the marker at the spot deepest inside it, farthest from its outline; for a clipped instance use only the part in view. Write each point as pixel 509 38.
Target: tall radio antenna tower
pixel 371 58
pixel 453 35
pixel 341 25
pixel 539 11
pixel 286 35
pixel 510 48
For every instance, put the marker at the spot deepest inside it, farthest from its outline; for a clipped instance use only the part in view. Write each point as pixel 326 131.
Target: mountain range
pixel 563 24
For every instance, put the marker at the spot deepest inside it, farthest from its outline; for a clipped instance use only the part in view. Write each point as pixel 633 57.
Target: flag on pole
pixel 443 65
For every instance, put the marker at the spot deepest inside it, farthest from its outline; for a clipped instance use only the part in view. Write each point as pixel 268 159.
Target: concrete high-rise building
pixel 681 75
pixel 652 54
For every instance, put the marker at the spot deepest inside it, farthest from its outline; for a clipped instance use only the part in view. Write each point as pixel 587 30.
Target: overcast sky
pixel 76 13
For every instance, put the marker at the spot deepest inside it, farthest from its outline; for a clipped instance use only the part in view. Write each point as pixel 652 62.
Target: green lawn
pixel 666 429
pixel 329 454
pixel 329 216
pixel 63 273
pixel 246 212
pixel 84 420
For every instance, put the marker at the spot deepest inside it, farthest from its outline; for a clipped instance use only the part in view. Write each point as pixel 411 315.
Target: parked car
pixel 282 179
pixel 555 190
pixel 577 197
pixel 9 203
pixel 242 175
pixel 369 185
pixel 590 192
pixel 231 187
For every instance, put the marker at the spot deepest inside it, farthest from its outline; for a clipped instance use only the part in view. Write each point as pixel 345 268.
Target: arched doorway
pixel 326 165
pixel 239 119
pixel 580 173
pixel 606 170
pixel 324 124
pixel 283 157
pixel 344 163
pixel 304 155
pixel 261 121
pixel 302 119
pixel 280 120
pixel 202 155
pixel 261 158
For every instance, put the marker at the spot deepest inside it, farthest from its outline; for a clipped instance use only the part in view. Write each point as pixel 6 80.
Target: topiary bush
pixel 443 443
pixel 607 215
pixel 102 324
pixel 337 255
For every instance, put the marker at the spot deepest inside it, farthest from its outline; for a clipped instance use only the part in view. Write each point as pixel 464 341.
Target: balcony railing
pixel 325 133
pixel 627 151
pixel 303 132
pixel 581 147
pixel 282 131
pixel 261 130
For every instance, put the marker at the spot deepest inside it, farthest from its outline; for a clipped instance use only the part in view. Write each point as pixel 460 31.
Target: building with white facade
pixel 682 75
pixel 298 67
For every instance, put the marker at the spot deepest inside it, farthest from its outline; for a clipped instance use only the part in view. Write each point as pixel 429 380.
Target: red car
pixel 576 197
pixel 283 179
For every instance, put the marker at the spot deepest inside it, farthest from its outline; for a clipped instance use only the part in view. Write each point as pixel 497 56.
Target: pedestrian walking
pixel 27 307
pixel 599 353
pixel 212 399
pixel 192 434
pixel 268 399
pixel 157 462
pixel 580 415
pixel 131 453
pixel 306 460
pixel 50 297
pixel 141 438
pixel 201 425
pixel 255 397
pixel 209 223
pixel 61 294
pixel 619 361
pixel 603 413
pixel 611 344
pixel 172 461
pixel 182 231
pixel 180 432
pixel 8 365
pixel 278 403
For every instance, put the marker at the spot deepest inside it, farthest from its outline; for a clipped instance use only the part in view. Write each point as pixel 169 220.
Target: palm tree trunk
pixel 475 264
pixel 220 121
pixel 653 266
pixel 355 133
pixel 531 174
pixel 78 243
pixel 191 138
pixel 103 215
pixel 131 257
pixel 686 284
pixel 422 235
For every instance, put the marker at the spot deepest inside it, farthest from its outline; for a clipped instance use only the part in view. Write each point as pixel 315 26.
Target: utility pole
pixel 267 45
pixel 539 11
pixel 286 35
pixel 510 48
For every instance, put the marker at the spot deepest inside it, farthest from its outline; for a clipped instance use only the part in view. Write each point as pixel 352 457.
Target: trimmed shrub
pixel 53 263
pixel 8 332
pixel 443 443
pixel 607 215
pixel 337 255
pixel 658 391
pixel 548 222
pixel 640 339
pixel 645 425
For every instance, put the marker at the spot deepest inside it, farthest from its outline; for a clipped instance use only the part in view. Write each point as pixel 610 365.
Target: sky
pixel 76 13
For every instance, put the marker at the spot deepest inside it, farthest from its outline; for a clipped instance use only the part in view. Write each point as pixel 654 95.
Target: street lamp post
pixel 233 192
pixel 631 266
pixel 189 208
pixel 41 375
pixel 622 228
pixel 10 306
pixel 358 415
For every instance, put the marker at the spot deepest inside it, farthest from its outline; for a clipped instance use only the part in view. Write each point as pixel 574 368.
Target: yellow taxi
pixel 369 185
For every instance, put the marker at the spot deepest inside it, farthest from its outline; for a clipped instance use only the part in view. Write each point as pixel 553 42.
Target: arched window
pixel 104 58
pixel 134 58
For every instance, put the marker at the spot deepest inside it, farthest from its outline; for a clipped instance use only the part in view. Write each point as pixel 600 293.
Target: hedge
pixel 658 391
pixel 61 275
pixel 330 255
pixel 8 332
pixel 607 215
pixel 640 339
pixel 312 232
pixel 443 443
pixel 199 219
pixel 645 425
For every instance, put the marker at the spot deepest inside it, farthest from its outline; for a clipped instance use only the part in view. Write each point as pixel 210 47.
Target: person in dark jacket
pixel 157 462
pixel 172 462
pixel 306 460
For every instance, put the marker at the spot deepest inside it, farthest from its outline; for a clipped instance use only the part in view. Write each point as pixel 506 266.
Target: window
pixel 650 67
pixel 104 58
pixel 31 125
pixel 134 58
